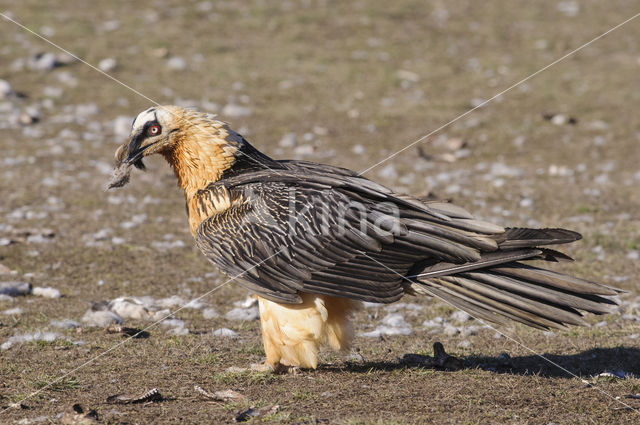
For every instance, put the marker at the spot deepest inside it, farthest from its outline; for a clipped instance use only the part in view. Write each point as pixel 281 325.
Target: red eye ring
pixel 154 130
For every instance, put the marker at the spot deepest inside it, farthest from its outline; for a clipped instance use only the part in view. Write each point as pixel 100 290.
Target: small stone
pixel 386 331
pixel 233 110
pixel 407 75
pixel 633 255
pixel 176 63
pixel 358 149
pixel 394 320
pixel 4 269
pixel 173 323
pixel 46 292
pixel 569 8
pixel 35 336
pixel 43 62
pixel 107 64
pixel 388 172
pixel 65 324
pixel 225 333
pixel 289 140
pixel 13 311
pixel 210 313
pixel 465 343
pixel 129 308
pixel 100 318
pixel 5 89
pixel 243 314
pixel 179 331
pixel 15 289
pixel 450 330
pixel 355 358
pixel 460 316
pixel 304 150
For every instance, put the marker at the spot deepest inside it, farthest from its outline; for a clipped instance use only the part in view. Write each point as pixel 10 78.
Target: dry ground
pixel 374 75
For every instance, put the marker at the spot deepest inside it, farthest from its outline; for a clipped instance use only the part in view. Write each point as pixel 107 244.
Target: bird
pixel 313 241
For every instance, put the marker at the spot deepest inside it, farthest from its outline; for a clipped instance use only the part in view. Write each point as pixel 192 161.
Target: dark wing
pixel 325 230
pixel 332 234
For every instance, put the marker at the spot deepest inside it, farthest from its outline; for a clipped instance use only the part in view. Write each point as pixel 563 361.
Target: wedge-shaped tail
pixel 499 286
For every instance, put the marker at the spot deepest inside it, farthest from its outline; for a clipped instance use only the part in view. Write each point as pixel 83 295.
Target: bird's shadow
pixel 618 360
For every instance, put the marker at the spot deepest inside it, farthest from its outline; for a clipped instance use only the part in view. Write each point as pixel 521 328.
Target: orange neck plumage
pixel 198 160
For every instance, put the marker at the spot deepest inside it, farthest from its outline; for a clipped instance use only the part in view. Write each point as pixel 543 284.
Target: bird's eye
pixel 154 130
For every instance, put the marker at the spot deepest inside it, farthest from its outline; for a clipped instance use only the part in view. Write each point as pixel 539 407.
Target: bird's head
pixel 155 130
pixel 197 146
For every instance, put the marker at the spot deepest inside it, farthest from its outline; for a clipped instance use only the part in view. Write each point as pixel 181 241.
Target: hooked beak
pixel 132 152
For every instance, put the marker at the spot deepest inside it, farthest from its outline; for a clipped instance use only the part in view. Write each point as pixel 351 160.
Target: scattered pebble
pixel 46 292
pixel 100 319
pixel 210 313
pixel 107 64
pixel 225 333
pixel 233 110
pixel 289 140
pixel 243 314
pixel 65 324
pixel 129 308
pixel 42 62
pixel 450 330
pixel 5 89
pixel 460 316
pixel 13 311
pixel 177 63
pixel 15 289
pixel 30 337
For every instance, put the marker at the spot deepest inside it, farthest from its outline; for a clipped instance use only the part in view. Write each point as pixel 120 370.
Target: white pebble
pixel 210 313
pixel 179 331
pixel 100 318
pixel 358 149
pixel 465 343
pixel 173 323
pixel 243 314
pixel 386 331
pixel 396 320
pixel 5 89
pixel 35 336
pixel 13 311
pixel 107 64
pixel 289 140
pixel 65 324
pixel 460 316
pixel 47 292
pixel 303 150
pixel 388 172
pixel 176 63
pixel 129 308
pixel 225 333
pixel 233 110
pixel 43 62
pixel 450 330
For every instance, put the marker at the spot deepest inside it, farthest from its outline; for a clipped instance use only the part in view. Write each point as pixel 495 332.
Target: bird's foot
pixel 278 368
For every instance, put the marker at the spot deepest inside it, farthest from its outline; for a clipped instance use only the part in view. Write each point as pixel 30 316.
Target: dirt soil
pixel 346 83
